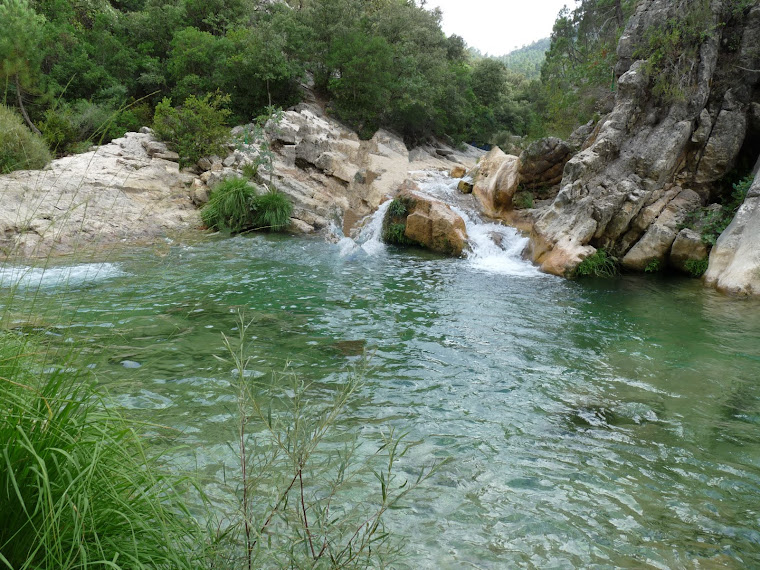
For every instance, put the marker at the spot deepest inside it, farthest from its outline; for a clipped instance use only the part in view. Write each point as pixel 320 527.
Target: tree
pixel 20 49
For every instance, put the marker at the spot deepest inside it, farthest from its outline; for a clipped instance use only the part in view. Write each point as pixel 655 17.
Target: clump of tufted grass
pixel 235 206
pixel 271 211
pixel 598 264
pixel 76 487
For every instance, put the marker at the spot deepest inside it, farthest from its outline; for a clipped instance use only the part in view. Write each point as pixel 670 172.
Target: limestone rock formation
pixel 125 190
pixel 542 163
pixel 735 259
pixel 650 161
pixel 495 182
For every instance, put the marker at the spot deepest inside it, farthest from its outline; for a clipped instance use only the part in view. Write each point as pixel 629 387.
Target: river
pixel 599 423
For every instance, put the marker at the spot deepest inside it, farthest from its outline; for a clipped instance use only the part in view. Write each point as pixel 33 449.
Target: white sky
pixel 499 26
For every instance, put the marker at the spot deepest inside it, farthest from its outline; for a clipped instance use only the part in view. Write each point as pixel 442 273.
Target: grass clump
pixel 20 149
pixel 229 206
pixel 271 211
pixel 598 264
pixel 711 222
pixel 77 488
pixel 696 267
pixel 235 206
pixel 654 266
pixel 394 223
pixel 523 200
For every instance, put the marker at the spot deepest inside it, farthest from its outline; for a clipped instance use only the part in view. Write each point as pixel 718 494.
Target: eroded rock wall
pixel 651 162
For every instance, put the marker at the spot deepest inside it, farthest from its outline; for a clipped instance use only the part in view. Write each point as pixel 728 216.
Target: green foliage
pixel 397 208
pixel 271 211
pixel 229 206
pixel 20 56
pixel 20 149
pixel 697 267
pixel 394 222
pixel 579 66
pixel 234 206
pixel 195 129
pixel 527 60
pixel 523 200
pixel 712 222
pixel 654 266
pixel 78 490
pixel 598 264
pixel 671 48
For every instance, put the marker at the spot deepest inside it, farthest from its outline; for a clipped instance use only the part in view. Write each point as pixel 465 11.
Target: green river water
pixel 596 424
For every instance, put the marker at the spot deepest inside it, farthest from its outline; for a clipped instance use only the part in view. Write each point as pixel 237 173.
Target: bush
pixel 696 267
pixel 78 491
pixel 394 223
pixel 599 264
pixel 523 200
pixel 271 211
pixel 229 206
pixel 234 206
pixel 195 129
pixel 20 149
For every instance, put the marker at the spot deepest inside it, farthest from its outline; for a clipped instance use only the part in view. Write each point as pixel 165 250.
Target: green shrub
pixel 523 200
pixel 697 267
pixel 712 223
pixel 654 266
pixel 271 211
pixel 20 149
pixel 229 206
pixel 394 223
pixel 598 264
pixel 77 489
pixel 195 129
pixel 397 208
pixel 234 206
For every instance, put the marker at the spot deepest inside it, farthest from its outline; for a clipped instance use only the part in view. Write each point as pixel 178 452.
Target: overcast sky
pixel 499 26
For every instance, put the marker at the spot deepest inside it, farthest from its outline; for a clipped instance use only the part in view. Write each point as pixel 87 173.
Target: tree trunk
pixel 23 110
pixel 619 14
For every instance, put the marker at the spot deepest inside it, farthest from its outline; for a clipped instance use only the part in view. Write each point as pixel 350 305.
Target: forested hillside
pixel 82 70
pixel 85 71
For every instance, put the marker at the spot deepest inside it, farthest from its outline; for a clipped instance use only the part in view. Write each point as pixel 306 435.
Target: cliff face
pixel 655 159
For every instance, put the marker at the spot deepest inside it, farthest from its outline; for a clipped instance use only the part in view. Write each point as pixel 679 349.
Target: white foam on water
pixel 369 241
pixel 55 277
pixel 494 247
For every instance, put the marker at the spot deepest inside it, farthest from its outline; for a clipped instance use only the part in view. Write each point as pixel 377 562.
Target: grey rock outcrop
pixel 649 163
pixel 542 163
pixel 123 191
pixel 735 260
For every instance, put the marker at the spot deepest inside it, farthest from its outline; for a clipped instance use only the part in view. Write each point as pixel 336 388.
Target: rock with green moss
pixel 415 219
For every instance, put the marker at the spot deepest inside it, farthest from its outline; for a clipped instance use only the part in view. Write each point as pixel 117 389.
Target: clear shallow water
pixel 599 424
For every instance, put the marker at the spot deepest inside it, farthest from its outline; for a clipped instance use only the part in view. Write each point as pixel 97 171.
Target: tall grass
pixel 19 147
pixel 310 496
pixel 235 206
pixel 76 487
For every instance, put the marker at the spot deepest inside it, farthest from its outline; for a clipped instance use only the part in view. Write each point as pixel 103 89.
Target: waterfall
pixel 494 247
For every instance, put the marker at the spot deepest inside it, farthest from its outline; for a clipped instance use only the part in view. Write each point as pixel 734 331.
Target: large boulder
pixel 495 182
pixel 429 223
pixel 542 163
pixel 688 248
pixel 735 260
pixel 125 190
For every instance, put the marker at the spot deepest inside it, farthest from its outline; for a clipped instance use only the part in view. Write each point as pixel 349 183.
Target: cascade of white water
pixel 494 247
